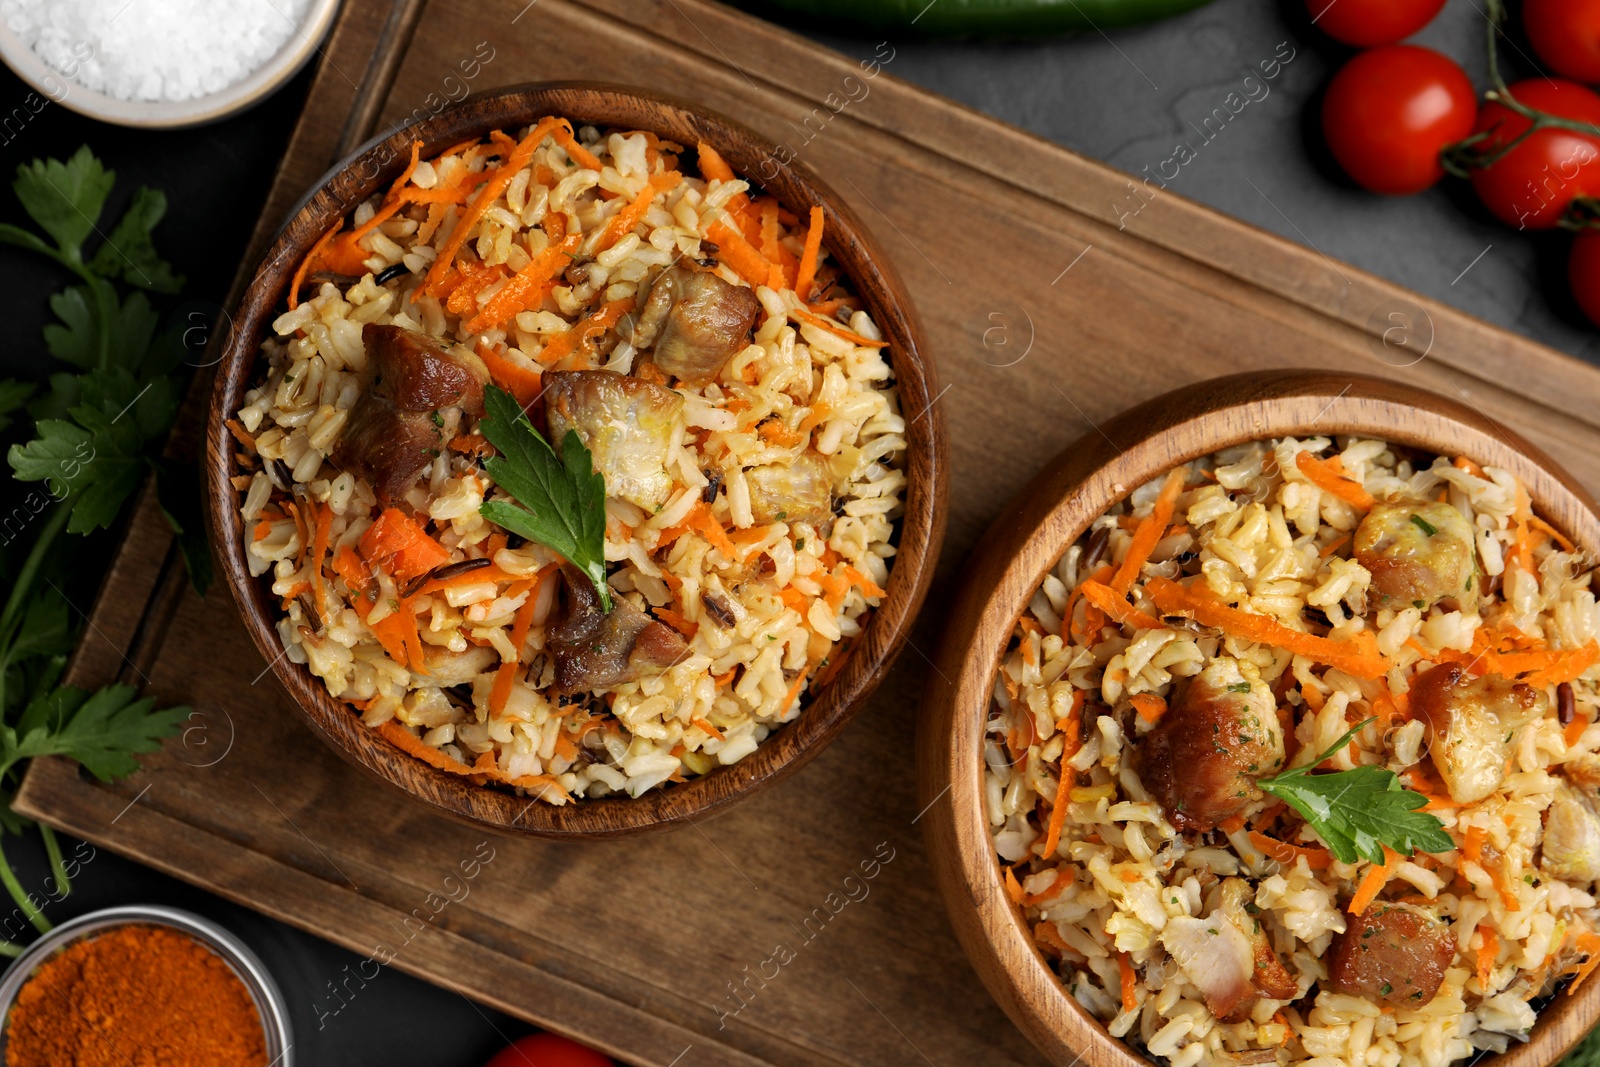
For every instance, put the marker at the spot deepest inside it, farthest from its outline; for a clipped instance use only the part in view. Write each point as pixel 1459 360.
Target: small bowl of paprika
pixel 123 984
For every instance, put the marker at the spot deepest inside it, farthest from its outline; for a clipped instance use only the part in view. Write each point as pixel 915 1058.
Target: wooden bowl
pixel 1027 539
pixel 921 528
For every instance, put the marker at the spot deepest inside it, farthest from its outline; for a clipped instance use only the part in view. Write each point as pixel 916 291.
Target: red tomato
pixel 1533 184
pixel 1583 274
pixel 1390 110
pixel 1365 23
pixel 548 1050
pixel 1566 35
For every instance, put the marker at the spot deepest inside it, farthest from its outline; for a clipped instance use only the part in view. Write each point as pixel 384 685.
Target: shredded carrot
pixel 1502 886
pixel 1149 706
pixel 1465 464
pixel 412 745
pixel 1013 887
pixel 1487 951
pixel 1313 697
pixel 1472 843
pixel 1521 516
pixel 236 428
pixel 1150 530
pixel 491 573
pixel 1335 545
pixel 868 587
pixel 1046 934
pixel 702 521
pixel 580 155
pixel 1232 824
pixel 524 290
pixel 833 327
pixel 677 622
pixel 263 529
pixel 1116 606
pixel 473 442
pixel 1589 944
pixel 396 539
pixel 794 689
pixel 524 383
pixel 322 516
pixel 1130 982
pixel 300 272
pixel 808 258
pixel 584 331
pixel 1574 731
pixel 1058 814
pixel 1285 853
pixel 505 675
pixel 1373 881
pixel 1555 534
pixel 775 432
pixel 740 255
pixel 1358 657
pixel 819 411
pixel 397 633
pixel 486 195
pixel 1064 877
pixel 770 251
pixel 625 221
pixel 708 728
pixel 348 565
pixel 1329 476
pixel 712 166
pixel 466 282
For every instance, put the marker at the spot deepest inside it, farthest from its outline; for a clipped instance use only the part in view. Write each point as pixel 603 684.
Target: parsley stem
pixel 58 867
pixel 11 617
pixel 20 895
pixel 11 949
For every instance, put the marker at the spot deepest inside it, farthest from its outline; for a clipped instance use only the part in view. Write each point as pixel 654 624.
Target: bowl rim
pixel 244 963
pixel 304 42
pixel 921 530
pixel 1032 532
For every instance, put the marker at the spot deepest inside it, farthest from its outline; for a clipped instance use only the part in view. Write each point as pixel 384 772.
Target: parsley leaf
pixel 1357 812
pixel 561 500
pixel 13 394
pixel 94 463
pixel 102 730
pixel 128 250
pixel 65 198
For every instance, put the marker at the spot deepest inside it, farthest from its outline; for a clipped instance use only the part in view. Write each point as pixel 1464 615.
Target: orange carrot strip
pixel 322 516
pixel 1069 748
pixel 1555 534
pixel 1332 546
pixel 1472 843
pixel 1486 956
pixel 1151 528
pixel 705 523
pixel 488 194
pixel 300 272
pixel 595 325
pixel 808 258
pixel 1285 853
pixel 466 282
pixel 527 287
pixel 1465 464
pixel 867 586
pixel 263 528
pixel 624 221
pixel 1373 881
pixel 708 728
pixel 396 539
pixel 1358 658
pixel 391 634
pixel 1232 824
pixel 1574 731
pixel 524 383
pixel 677 622
pixel 1117 607
pixel 1130 982
pixel 1328 475
pixel 1149 706
pixel 412 745
pixel 802 315
pixel 1589 943
pixel 739 254
pixel 1045 933
pixel 580 155
pixel 1013 887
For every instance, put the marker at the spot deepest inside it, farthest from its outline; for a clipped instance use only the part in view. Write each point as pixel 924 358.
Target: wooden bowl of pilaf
pixel 1155 614
pixel 741 364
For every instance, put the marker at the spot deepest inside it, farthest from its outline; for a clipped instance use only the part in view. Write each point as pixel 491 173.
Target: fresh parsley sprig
pixel 1357 812
pixel 92 435
pixel 561 500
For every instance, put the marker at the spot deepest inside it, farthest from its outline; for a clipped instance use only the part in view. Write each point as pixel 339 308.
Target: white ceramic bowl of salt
pixel 158 64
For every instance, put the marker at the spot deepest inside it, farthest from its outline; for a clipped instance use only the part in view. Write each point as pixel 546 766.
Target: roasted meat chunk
pixel 1418 552
pixel 627 425
pixel 1203 757
pixel 1226 955
pixel 393 432
pixel 1392 953
pixel 1570 850
pixel 799 491
pixel 1472 725
pixel 696 321
pixel 595 649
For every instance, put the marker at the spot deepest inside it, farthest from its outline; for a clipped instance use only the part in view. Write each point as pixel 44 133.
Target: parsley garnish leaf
pixel 128 250
pixel 65 198
pixel 1359 811
pixel 560 500
pixel 102 730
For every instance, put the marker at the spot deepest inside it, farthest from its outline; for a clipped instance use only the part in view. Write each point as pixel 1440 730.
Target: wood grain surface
pixel 1045 320
pixel 1026 540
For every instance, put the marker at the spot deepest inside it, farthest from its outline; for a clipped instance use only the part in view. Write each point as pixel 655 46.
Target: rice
pixel 1113 893
pixel 759 607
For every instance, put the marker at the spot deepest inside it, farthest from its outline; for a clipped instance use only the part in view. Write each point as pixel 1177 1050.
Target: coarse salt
pixel 155 49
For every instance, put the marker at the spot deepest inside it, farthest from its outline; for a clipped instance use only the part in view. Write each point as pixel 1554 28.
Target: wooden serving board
pixel 1045 319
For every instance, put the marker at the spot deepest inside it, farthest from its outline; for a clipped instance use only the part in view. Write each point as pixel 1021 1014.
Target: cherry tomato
pixel 548 1050
pixel 1566 35
pixel 1390 110
pixel 1583 274
pixel 1365 23
pixel 1533 184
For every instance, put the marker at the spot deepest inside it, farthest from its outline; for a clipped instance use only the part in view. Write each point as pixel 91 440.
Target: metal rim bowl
pixel 244 964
